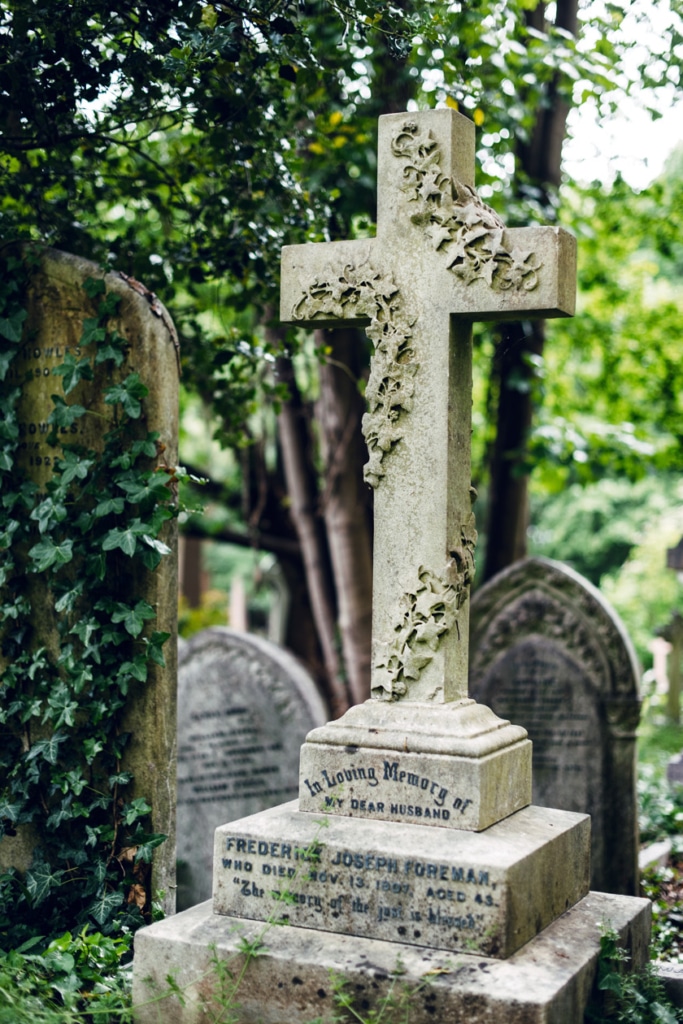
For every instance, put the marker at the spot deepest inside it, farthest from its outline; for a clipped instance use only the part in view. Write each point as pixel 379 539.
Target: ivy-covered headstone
pixel 88 453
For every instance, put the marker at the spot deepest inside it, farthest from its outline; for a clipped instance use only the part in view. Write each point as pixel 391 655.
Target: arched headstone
pixel 549 653
pixel 244 708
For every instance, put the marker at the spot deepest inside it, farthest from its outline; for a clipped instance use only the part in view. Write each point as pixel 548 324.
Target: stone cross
pixel 441 260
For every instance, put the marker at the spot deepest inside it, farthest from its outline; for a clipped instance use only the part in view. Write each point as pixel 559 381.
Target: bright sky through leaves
pixel 631 142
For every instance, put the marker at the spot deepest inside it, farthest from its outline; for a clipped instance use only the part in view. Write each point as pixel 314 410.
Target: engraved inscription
pixel 536 685
pixel 33 370
pixel 223 756
pixel 362 892
pixel 350 791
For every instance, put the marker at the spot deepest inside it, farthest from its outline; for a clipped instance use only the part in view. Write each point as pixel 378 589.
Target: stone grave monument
pixel 547 650
pixel 244 708
pixel 57 307
pixel 414 846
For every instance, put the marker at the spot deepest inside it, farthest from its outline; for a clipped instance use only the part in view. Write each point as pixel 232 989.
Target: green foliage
pixel 75 980
pixel 188 142
pixel 660 806
pixel 612 377
pixel 665 938
pixel 76 642
pixel 637 997
pixel 616 533
pixel 643 591
pixel 595 528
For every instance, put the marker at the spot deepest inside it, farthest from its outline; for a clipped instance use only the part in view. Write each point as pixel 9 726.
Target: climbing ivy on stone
pixel 62 743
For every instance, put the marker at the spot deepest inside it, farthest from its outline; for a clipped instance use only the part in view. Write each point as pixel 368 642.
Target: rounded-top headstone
pixel 549 653
pixel 244 709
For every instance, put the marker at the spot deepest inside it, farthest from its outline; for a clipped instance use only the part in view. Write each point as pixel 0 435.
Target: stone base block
pixel 451 765
pixel 293 981
pixel 486 892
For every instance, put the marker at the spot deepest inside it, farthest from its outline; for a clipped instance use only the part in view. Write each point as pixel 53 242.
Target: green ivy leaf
pixel 136 668
pixel 105 905
pixel 109 305
pixel 120 779
pixel 63 707
pixel 611 982
pixel 47 513
pixel 91 748
pixel 155 643
pixel 85 629
pixel 73 371
pixel 137 808
pixel 47 748
pixel 94 286
pixel 62 813
pixel 126 540
pixel 156 545
pixel 80 676
pixel 64 415
pixel 47 553
pixel 73 467
pixel 146 844
pixel 11 326
pixel 150 559
pixel 9 812
pixel 5 363
pixel 134 619
pixel 40 880
pixel 150 486
pixel 93 331
pixel 129 393
pixel 112 347
pixel 67 601
pixel 108 507
pixel 147 447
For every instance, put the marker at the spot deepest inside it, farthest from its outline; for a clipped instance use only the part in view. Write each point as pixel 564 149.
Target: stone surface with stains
pixel 487 892
pixel 293 979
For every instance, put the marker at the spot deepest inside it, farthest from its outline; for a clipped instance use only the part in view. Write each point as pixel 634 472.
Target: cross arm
pixel 535 276
pixel 331 284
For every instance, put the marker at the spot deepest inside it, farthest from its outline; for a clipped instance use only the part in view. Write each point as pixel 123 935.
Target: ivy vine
pixel 68 552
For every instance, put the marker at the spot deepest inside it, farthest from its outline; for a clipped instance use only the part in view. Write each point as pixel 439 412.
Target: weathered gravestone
pixel 57 307
pixel 428 842
pixel 244 708
pixel 547 650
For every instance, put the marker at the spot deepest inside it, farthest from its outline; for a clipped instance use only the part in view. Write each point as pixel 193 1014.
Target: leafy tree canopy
pixel 185 142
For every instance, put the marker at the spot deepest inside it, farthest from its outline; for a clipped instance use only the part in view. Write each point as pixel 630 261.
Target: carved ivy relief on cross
pixel 456 221
pixel 423 616
pixel 357 292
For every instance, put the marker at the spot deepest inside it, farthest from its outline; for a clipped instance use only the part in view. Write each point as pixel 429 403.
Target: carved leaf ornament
pixel 423 616
pixel 456 221
pixel 358 292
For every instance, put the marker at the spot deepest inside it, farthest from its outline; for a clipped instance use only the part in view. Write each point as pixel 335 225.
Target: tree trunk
pixel 347 501
pixel 513 367
pixel 302 489
pixel 512 375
